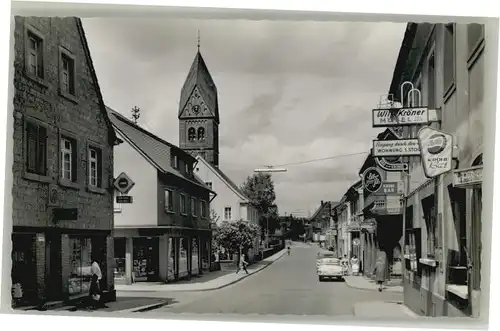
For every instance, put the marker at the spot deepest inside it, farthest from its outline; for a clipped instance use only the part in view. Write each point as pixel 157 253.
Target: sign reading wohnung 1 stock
pixel 398 147
pixel 404 117
pixel 436 151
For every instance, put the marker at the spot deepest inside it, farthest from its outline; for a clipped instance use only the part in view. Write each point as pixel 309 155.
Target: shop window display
pixel 171 259
pixel 119 272
pixel 194 256
pixel 81 262
pixel 145 259
pixel 205 255
pixel 183 257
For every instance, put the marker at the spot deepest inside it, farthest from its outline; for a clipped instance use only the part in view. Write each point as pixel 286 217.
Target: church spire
pixel 198 40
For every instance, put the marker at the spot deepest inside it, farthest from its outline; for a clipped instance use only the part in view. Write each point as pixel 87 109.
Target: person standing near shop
pixel 95 284
pixel 380 272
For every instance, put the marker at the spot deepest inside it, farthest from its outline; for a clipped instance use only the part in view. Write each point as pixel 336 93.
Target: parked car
pixel 329 267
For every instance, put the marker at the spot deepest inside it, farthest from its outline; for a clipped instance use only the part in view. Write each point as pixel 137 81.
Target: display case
pixel 195 255
pixel 81 265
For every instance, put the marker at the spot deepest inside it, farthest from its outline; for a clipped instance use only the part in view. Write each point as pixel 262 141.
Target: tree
pixel 259 188
pixel 233 236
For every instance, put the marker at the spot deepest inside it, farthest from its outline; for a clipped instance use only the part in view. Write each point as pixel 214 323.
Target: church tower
pixel 199 113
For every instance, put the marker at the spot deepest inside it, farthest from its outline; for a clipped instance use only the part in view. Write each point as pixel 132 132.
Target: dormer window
pixel 201 134
pixel 191 134
pixel 173 161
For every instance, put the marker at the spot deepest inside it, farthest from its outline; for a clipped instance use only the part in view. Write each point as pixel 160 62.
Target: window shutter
pixel 31 147
pixel 42 150
pixel 99 168
pixel 74 161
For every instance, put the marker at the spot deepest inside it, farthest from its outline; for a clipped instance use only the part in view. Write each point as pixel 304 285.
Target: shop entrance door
pixel 53 266
pixel 146 259
pixel 24 271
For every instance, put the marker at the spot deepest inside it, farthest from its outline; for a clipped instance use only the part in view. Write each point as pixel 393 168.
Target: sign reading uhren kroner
pixel 404 117
pixel 399 147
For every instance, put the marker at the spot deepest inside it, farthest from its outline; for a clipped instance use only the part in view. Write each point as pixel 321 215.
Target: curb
pixel 143 308
pixel 224 285
pixel 369 289
pixel 234 281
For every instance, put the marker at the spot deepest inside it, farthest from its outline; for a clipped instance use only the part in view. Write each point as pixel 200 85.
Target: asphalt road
pixel 289 286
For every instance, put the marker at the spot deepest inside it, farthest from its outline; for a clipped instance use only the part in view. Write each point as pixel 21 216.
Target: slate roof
pixel 199 76
pixel 155 148
pixel 225 178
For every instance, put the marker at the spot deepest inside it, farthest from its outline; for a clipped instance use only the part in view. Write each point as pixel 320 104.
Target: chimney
pixel 321 202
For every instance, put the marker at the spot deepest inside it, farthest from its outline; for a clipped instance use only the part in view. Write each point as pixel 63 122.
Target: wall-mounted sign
pixel 436 149
pixel 392 188
pixel 124 199
pixel 386 165
pixel 404 117
pixel 372 180
pixel 369 225
pixel 65 214
pixel 468 178
pixel 356 241
pixel 398 147
pixel 123 183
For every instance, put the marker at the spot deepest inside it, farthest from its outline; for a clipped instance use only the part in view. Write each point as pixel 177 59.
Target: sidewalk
pixel 383 310
pixel 213 284
pixel 364 283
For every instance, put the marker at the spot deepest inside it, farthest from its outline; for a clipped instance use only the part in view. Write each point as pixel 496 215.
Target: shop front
pixel 145 259
pixel 53 265
pixel 369 249
pixel 471 180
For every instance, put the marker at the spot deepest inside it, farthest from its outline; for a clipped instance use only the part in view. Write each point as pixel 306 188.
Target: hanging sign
pixel 123 183
pixel 436 151
pixel 372 180
pixel 398 147
pixel 391 166
pixel 467 178
pixel 392 188
pixel 404 117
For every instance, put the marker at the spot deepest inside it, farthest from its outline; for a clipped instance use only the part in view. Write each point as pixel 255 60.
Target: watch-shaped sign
pixel 372 180
pixel 123 183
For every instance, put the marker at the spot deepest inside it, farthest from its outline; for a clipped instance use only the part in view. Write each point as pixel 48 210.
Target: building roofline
pixel 404 51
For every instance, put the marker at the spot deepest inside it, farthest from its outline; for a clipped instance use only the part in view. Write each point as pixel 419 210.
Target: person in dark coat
pixel 379 272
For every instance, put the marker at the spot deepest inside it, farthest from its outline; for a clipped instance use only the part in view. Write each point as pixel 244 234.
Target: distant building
pixel 320 221
pixel 164 234
pixel 442 220
pixel 62 166
pixel 230 204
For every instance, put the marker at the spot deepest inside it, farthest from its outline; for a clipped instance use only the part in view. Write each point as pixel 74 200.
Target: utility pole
pixel 136 114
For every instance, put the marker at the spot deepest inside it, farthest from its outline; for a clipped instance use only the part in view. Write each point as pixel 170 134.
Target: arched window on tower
pixel 191 134
pixel 201 134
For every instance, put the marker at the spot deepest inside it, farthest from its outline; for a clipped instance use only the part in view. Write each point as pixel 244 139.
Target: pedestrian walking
pixel 243 264
pixel 379 272
pixel 344 262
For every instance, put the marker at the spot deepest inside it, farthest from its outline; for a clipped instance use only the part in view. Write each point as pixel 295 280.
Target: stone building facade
pixel 62 166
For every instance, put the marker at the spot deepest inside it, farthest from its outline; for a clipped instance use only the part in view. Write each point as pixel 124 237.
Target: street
pixel 288 286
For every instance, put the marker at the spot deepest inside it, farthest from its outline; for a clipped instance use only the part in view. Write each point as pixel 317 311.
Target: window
pixel 35 55
pixel 68 159
pixel 431 81
pixel 193 206
pixel 201 134
pixel 117 206
pixel 173 161
pixel 95 167
pixel 187 168
pixel 183 204
pixel 67 74
pixel 449 57
pixel 36 149
pixel 429 209
pixel 227 213
pixel 169 201
pixel 475 36
pixel 409 217
pixel 191 134
pixel 203 209
pixel 209 184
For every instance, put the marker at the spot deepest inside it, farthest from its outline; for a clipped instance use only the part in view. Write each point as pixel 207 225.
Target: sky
pixel 288 91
